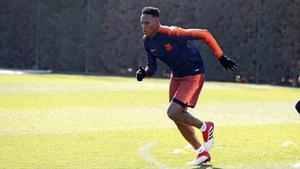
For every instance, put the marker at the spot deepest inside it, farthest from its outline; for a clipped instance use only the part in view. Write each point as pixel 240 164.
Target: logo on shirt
pixel 168 47
pixel 152 50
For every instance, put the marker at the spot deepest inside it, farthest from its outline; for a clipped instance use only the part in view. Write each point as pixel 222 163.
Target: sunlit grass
pixel 75 122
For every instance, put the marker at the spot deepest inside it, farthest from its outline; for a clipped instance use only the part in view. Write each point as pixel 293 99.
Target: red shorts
pixel 185 90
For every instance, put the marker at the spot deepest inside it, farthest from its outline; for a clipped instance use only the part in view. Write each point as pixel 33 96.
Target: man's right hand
pixel 140 74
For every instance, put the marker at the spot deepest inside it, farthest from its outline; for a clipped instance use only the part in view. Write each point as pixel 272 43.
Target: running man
pixel 170 45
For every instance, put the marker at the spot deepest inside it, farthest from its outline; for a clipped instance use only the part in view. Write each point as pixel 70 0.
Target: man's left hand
pixel 227 63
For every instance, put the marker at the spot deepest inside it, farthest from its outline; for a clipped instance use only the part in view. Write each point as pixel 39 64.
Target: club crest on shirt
pixel 168 47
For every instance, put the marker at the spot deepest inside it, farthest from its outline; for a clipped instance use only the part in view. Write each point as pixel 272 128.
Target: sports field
pixel 97 122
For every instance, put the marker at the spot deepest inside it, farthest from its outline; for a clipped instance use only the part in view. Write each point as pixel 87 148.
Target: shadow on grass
pixel 206 166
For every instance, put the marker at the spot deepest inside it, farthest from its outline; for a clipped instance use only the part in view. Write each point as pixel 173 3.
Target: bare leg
pixel 188 133
pixel 185 123
pixel 178 114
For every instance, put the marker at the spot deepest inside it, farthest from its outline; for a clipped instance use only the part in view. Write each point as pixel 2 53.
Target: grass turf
pixel 69 121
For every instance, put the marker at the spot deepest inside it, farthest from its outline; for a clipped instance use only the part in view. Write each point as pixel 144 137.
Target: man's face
pixel 149 24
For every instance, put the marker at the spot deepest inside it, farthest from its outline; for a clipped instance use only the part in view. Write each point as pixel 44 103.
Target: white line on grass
pixel 288 144
pixel 144 152
pixel 296 165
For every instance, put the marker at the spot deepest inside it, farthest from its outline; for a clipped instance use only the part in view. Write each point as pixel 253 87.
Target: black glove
pixel 140 74
pixel 227 63
pixel 298 106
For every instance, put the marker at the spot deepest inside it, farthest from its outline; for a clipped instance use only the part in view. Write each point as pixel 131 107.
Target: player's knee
pixel 297 106
pixel 174 111
pixel 173 115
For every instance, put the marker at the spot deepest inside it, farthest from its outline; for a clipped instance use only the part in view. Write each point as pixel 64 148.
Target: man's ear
pixel 157 20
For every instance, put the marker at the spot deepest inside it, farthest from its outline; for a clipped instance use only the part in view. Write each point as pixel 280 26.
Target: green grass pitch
pixel 95 122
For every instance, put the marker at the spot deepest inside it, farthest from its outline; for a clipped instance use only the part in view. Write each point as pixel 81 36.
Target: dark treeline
pixel 104 36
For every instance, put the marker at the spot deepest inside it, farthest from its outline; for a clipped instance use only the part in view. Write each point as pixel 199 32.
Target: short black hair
pixel 151 11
